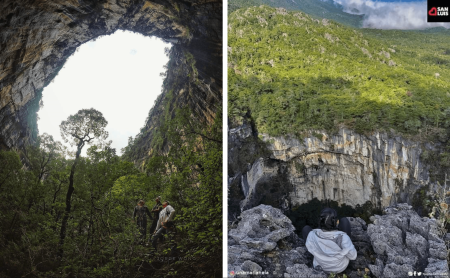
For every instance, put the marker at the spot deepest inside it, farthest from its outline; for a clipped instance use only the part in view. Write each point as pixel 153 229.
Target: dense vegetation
pixel 291 73
pixel 101 238
pixel 295 73
pixel 323 8
pixel 152 137
pixel 98 237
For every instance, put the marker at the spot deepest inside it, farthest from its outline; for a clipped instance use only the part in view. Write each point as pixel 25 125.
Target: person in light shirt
pixel 164 222
pixel 330 244
pixel 155 211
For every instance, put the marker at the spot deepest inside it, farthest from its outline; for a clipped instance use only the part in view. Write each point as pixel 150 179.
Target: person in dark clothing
pixel 141 211
pixel 155 211
pixel 329 216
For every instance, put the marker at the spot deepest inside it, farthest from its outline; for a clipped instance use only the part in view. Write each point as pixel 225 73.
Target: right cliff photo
pixel 338 138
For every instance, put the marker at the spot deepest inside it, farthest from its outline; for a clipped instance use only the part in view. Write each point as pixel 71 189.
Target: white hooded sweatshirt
pixel 332 250
pixel 165 215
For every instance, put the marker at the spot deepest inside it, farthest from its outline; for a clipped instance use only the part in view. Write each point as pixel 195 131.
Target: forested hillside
pixel 290 73
pixel 293 72
pixel 323 8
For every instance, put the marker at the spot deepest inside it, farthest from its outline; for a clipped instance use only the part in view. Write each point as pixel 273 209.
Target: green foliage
pixel 152 140
pixel 318 135
pixel 33 204
pixel 422 202
pixel 84 127
pixel 102 239
pixel 366 211
pixel 328 8
pixel 193 182
pixel 299 167
pixel 291 72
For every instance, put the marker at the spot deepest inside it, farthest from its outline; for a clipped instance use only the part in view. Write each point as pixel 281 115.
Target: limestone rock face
pixel 346 167
pixel 405 242
pixel 36 38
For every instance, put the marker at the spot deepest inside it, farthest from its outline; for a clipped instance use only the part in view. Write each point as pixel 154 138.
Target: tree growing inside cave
pixel 85 127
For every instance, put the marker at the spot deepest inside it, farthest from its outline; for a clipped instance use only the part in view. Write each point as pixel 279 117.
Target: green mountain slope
pixel 316 8
pixel 291 73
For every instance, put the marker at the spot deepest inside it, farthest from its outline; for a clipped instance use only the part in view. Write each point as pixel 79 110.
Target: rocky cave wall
pixel 36 38
pixel 345 167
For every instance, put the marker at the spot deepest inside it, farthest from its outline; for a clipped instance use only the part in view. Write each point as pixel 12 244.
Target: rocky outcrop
pixel 395 244
pixel 345 167
pixel 264 240
pixel 36 38
pixel 405 242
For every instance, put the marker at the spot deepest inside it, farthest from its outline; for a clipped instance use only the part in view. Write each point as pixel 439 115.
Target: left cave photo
pixel 111 138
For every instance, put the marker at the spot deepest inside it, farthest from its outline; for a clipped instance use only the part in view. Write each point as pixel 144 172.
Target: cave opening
pixel 38 37
pixel 120 75
pixel 64 205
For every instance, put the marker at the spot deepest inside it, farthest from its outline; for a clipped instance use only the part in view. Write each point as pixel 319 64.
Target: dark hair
pixel 141 203
pixel 328 219
pixel 169 224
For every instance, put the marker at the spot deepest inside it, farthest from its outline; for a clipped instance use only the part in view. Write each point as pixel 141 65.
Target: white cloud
pixel 391 15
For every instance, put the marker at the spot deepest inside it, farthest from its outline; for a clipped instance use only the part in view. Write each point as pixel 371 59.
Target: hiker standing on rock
pixel 140 211
pixel 155 211
pixel 164 222
pixel 330 244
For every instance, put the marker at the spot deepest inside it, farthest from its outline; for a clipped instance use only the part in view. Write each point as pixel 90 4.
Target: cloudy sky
pixel 117 75
pixel 391 14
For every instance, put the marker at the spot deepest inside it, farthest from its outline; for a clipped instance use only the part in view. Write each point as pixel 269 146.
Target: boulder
pixel 404 242
pixel 264 240
pixel 395 244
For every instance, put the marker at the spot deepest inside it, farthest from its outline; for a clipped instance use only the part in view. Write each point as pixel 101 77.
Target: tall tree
pixel 80 129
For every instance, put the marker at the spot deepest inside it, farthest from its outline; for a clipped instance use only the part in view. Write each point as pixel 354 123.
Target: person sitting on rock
pixel 330 244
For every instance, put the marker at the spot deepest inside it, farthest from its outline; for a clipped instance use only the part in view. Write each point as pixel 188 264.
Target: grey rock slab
pixel 437 267
pixel 403 241
pixel 393 270
pixel 438 250
pixel 262 227
pixel 302 270
pixel 265 240
pixel 250 266
pixel 417 244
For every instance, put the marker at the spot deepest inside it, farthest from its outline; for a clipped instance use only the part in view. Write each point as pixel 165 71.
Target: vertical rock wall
pixel 346 167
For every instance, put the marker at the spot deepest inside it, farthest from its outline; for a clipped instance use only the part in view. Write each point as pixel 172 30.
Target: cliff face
pixel 36 38
pixel 346 167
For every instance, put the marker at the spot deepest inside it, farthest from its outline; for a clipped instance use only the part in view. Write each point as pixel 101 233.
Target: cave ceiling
pixel 37 37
